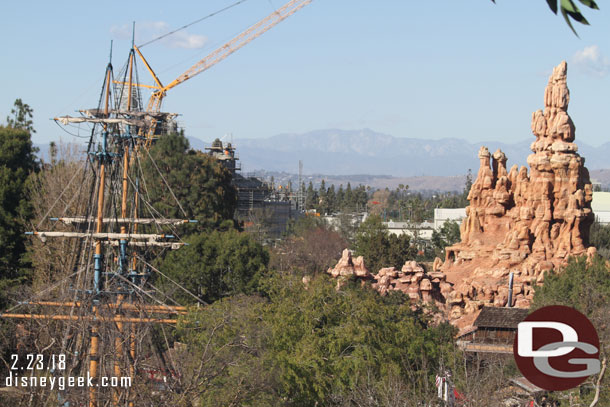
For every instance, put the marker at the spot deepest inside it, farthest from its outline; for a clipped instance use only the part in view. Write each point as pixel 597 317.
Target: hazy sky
pixel 424 69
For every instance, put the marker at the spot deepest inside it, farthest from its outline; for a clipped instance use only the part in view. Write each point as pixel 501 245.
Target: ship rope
pixel 177 284
pixel 165 182
pixel 152 210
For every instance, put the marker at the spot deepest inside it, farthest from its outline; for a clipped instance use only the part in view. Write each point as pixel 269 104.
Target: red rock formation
pixel 517 222
pixel 411 279
pixel 520 222
pixel 347 266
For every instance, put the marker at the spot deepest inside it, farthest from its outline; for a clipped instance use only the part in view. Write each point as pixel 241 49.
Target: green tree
pixel 311 197
pixel 464 201
pixel 53 152
pixel 321 204
pixel 214 265
pixel 200 186
pixel 584 285
pixel 327 342
pixel 379 248
pixel 331 200
pixel 569 10
pixel 307 345
pixel 22 117
pixel 17 161
pixel 226 361
pixel 340 199
pixel 448 235
pixel 599 236
pixel 349 202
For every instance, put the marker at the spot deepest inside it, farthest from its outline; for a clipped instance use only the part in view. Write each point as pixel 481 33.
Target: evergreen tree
pixel 215 265
pixel 584 285
pixel 17 161
pixel 22 117
pixel 340 199
pixel 200 186
pixel 448 235
pixel 379 248
pixel 348 200
pixel 311 197
pixel 464 201
pixel 321 204
pixel 331 200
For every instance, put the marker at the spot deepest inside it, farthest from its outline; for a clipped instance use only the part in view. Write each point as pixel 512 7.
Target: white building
pixel 424 229
pixel 441 215
pixel 601 207
pixel 421 230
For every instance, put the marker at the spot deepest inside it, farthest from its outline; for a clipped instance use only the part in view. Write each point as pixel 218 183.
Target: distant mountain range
pixel 347 152
pixel 380 160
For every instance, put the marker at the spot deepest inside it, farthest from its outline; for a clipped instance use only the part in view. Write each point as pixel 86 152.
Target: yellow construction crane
pixel 159 91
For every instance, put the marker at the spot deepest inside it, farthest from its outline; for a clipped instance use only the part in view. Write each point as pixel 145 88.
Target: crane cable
pixel 194 22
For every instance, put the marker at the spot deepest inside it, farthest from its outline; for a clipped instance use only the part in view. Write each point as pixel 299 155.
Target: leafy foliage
pixel 200 186
pixel 314 345
pixel 17 161
pixel 448 235
pixel 22 117
pixel 332 200
pixel 311 249
pixel 229 362
pixel 599 236
pixel 215 265
pixel 569 10
pixel 380 248
pixel 584 285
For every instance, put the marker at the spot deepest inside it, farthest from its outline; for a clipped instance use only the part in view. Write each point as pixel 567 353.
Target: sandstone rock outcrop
pixel 411 279
pixel 347 266
pixel 519 222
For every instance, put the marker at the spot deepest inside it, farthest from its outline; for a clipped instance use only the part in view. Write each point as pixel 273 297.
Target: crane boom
pixel 225 50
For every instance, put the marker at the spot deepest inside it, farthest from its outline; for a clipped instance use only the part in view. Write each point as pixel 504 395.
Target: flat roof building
pixel 601 207
pixel 441 215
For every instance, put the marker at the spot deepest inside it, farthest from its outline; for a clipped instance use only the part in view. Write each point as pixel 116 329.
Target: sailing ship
pixel 102 313
pixel 119 235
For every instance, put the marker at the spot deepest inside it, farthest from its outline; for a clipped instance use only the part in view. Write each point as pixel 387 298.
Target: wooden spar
pixel 110 303
pixel 126 306
pixel 95 318
pixel 93 351
pixel 131 54
pixel 118 348
pixel 136 220
pixel 101 235
pixel 132 354
pixel 118 340
pixel 94 356
pixel 125 186
pixel 169 245
pixel 132 327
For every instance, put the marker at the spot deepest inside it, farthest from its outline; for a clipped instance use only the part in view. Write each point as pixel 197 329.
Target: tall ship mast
pixel 105 311
pixel 118 235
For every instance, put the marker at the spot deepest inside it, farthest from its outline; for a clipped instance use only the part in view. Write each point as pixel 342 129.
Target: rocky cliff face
pixel 519 222
pixel 411 279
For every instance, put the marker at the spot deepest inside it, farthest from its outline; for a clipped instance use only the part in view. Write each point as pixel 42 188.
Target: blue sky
pixel 465 69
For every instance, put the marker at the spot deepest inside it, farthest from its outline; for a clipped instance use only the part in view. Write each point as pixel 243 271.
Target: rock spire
pixel 520 222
